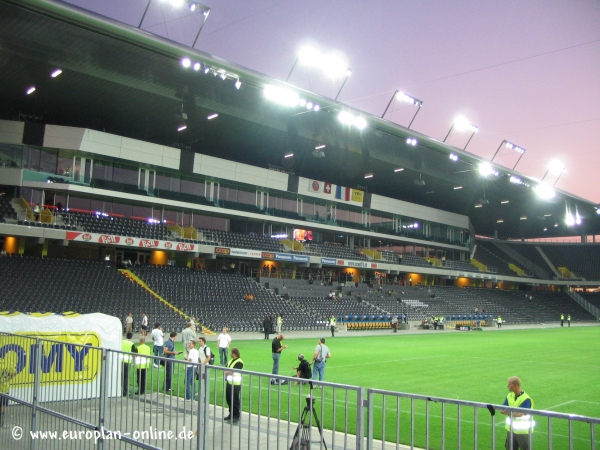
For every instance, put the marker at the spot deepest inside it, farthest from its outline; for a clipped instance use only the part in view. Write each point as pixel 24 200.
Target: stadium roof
pixel 128 82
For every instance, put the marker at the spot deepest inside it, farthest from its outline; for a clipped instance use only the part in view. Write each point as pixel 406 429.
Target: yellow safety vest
pixel 522 424
pixel 126 347
pixel 332 322
pixel 142 362
pixel 236 378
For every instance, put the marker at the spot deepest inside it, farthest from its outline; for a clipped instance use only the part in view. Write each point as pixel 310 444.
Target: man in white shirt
pixel 159 343
pixel 204 351
pixel 144 324
pixel 129 323
pixel 190 371
pixel 224 341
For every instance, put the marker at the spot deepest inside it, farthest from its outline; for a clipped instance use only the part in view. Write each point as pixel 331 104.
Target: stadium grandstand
pixel 204 195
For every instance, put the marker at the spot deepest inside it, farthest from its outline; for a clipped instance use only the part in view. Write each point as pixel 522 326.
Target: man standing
pixel 332 325
pixel 395 324
pixel 234 386
pixel 8 370
pixel 499 322
pixel 224 341
pixel 279 323
pixel 129 323
pixel 562 319
pixel 320 357
pixel 144 325
pixel 267 325
pixel 159 342
pixel 170 353
pixel 569 320
pixel 276 349
pixel 127 346
pixel 206 356
pixel 187 335
pixel 522 424
pixel 142 362
pixel 190 371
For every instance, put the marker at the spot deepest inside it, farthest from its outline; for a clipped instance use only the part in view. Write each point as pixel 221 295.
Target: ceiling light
pixel 400 169
pixel 523 218
pixel 457 187
pixel 545 229
pixel 500 221
pixel 319 147
pixel 186 62
pixel 213 116
pixel 56 73
pixel 412 141
pixel 309 105
pixel 478 205
pixel 206 69
pixel 31 90
pixel 515 180
pixel 316 108
pixel 368 175
pixel 547 215
pixel 453 157
pixel 504 202
pixel 289 155
pixel 181 127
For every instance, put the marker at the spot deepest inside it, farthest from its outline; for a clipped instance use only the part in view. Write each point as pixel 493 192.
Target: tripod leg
pixel 319 427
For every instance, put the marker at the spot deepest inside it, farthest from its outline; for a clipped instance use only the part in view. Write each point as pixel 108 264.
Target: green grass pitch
pixel 559 369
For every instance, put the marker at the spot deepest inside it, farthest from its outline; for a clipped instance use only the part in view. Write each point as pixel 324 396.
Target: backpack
pixel 211 360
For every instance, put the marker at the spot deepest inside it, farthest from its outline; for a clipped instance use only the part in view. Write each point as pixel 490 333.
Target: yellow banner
pixel 72 357
pixel 357 196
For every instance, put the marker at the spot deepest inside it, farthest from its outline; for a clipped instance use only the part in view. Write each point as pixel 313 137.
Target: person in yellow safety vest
pixel 569 320
pixel 142 362
pixel 332 325
pixel 522 424
pixel 234 386
pixel 562 319
pixel 126 346
pixel 499 321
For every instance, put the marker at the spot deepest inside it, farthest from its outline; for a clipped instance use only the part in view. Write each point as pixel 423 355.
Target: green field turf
pixel 559 368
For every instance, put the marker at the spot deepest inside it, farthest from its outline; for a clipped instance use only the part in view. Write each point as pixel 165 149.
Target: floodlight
pixel 453 157
pixel 485 169
pixel 206 69
pixel 31 90
pixel 316 108
pixel 569 219
pixel 238 84
pixel 515 180
pixel 186 62
pixel 544 191
pixel 412 141
pixel 360 123
pixel 309 105
pixel 193 7
pixel 555 167
pixel 461 123
pixel 302 102
pixel 401 96
pixel 346 118
pixel 56 73
pixel 282 96
pixel 197 66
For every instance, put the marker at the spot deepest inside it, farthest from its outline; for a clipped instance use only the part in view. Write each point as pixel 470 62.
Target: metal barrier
pixel 67 395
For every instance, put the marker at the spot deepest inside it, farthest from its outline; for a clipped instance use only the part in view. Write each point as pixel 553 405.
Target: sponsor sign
pixel 222 251
pixel 108 239
pixel 364 264
pixel 245 252
pixel 288 257
pixel 330 261
pixel 267 255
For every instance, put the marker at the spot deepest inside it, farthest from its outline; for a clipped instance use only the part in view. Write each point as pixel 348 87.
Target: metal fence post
pixel 36 389
pixel 103 395
pixel 361 403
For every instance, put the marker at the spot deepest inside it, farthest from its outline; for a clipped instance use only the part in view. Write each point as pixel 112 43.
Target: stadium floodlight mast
pixel 193 6
pixel 405 98
pixel 512 146
pixel 332 65
pixel 555 167
pixel 461 123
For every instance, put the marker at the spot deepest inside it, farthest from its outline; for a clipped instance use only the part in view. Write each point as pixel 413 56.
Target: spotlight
pixel 485 169
pixel 206 69
pixel 186 62
pixel 197 66
pixel 360 123
pixel 238 84
pixel 56 73
pixel 316 108
pixel 193 7
pixel 309 105
pixel 453 157
pixel 515 180
pixel 31 90
pixel 223 75
pixel 544 191
pixel 412 141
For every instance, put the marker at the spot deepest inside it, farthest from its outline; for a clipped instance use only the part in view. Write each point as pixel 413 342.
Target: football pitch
pixel 559 368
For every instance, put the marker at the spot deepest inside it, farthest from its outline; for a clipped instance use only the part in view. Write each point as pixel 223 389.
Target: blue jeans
pixel 223 355
pixel 319 371
pixel 158 350
pixel 190 382
pixel 276 357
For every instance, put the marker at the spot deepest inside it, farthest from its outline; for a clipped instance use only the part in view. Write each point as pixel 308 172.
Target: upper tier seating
pixel 102 223
pixel 581 259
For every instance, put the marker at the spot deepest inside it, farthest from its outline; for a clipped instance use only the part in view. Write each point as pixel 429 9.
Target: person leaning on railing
pixel 522 423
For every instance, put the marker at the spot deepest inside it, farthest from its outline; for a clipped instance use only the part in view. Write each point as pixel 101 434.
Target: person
pixel 569 320
pixel 395 324
pixel 144 325
pixel 234 386
pixel 332 325
pixel 129 323
pixel 192 323
pixel 410 280
pixel 267 325
pixel 276 349
pixel 303 369
pixel 187 335
pixel 190 371
pixel 206 356
pixel 159 342
pixel 127 346
pixel 224 341
pixel 320 357
pixel 522 423
pixel 499 322
pixel 170 354
pixel 279 323
pixel 562 319
pixel 8 370
pixel 37 210
pixel 141 364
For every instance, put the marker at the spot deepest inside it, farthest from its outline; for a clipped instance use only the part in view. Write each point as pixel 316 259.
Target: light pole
pixel 462 123
pixel 407 98
pixel 512 146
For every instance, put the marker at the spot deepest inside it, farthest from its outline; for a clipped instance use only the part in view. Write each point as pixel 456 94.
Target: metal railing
pixel 72 395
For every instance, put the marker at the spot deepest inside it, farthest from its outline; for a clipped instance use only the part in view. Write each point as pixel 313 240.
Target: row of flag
pixel 341 193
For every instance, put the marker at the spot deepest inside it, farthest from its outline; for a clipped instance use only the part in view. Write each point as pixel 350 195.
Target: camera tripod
pixel 301 440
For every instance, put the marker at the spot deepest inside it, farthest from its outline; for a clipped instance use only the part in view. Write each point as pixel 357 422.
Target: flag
pixel 327 188
pixel 314 186
pixel 357 196
pixel 338 192
pixel 343 193
pixel 348 194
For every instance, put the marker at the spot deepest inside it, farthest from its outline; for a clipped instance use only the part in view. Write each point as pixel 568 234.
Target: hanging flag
pixel 338 192
pixel 314 186
pixel 348 194
pixel 327 188
pixel 357 196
